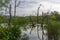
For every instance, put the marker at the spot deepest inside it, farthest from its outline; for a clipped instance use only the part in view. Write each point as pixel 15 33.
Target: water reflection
pixel 33 35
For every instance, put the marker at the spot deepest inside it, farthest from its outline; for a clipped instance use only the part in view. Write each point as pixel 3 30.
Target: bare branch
pixel 18 4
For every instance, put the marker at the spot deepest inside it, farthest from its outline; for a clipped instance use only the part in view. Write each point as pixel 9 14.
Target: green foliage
pixel 53 30
pixel 9 33
pixel 3 19
pixel 53 26
pixel 56 16
pixel 19 21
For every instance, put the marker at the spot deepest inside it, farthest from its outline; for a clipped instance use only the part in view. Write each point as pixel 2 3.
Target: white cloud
pixel 30 6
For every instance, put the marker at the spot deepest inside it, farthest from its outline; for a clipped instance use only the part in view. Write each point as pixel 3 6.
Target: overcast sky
pixel 29 7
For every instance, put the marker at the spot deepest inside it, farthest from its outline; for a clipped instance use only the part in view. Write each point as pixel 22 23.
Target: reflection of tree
pixel 33 25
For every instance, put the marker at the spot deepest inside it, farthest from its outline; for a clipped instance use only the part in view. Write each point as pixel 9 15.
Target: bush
pixel 53 29
pixel 9 33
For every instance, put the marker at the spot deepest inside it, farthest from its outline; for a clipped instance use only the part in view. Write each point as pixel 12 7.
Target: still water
pixel 33 35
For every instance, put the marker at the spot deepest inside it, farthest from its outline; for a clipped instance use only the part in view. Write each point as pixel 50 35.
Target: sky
pixel 29 7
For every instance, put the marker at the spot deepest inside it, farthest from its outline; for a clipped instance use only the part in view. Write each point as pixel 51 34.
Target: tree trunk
pixel 9 23
pixel 15 9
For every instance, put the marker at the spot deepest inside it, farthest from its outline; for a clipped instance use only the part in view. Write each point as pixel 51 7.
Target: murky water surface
pixel 33 35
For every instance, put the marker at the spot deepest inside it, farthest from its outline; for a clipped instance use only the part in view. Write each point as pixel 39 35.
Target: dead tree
pixel 38 22
pixel 15 6
pixel 10 16
pixel 15 9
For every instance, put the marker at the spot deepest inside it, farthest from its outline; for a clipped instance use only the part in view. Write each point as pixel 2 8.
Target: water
pixel 33 35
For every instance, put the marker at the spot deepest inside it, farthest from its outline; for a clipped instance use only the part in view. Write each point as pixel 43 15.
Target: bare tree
pixel 10 16
pixel 38 22
pixel 15 9
pixel 15 6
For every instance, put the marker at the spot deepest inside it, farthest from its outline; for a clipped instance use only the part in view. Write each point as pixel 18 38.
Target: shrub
pixel 9 33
